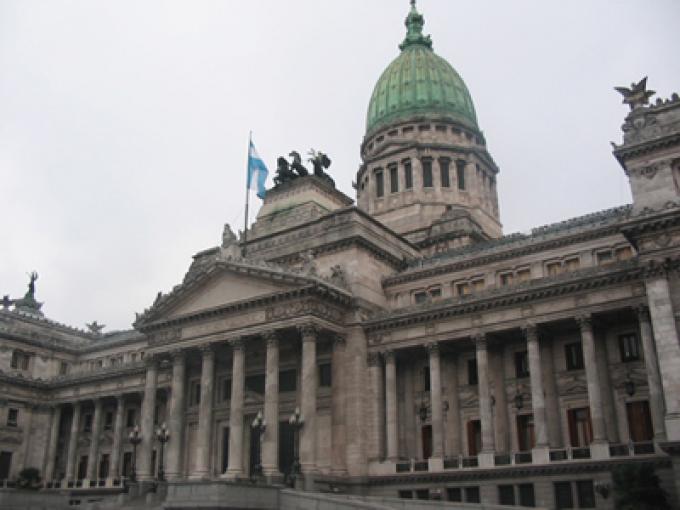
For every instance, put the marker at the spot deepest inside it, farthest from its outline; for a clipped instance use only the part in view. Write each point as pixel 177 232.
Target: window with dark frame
pixel 460 174
pixel 426 378
pixel 506 495
pixel 130 421
pixel 255 383
pixel 108 420
pixel 19 360
pixel 420 297
pixel 454 494
pixel 526 495
pixel 195 393
pixel 394 179
pixel 423 494
pixel 521 364
pixel 472 495
pixel 379 184
pixel 472 372
pixel 12 417
pixel 408 175
pixel 287 380
pixel 63 368
pixel 427 173
pixel 226 389
pixel 573 354
pixel 629 347
pixel 585 493
pixel 87 422
pixel 405 494
pixel 325 375
pixel 563 495
pixel 444 170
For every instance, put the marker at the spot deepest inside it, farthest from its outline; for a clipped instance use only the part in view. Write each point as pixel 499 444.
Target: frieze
pixel 7 439
pixel 303 308
pixel 165 336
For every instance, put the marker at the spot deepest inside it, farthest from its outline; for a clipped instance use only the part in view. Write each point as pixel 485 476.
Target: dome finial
pixel 414 25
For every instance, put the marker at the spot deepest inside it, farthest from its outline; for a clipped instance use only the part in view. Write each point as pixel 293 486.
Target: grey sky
pixel 124 124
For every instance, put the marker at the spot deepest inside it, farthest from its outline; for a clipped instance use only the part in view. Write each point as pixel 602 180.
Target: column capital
pixel 178 355
pixel 207 350
pixel 388 355
pixel 237 344
pixel 642 312
pixel 373 359
pixel 479 338
pixel 151 361
pixel 530 331
pixel 271 338
pixel 339 341
pixel 308 332
pixel 432 348
pixel 585 321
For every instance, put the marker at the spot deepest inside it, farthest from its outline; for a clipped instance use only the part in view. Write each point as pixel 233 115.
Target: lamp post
pixel 296 421
pixel 259 426
pixel 162 435
pixel 135 439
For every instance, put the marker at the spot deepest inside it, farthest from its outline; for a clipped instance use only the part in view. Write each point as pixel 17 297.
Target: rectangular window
pixel 563 495
pixel 63 368
pixel 573 354
pixel 472 495
pixel 255 383
pixel 506 279
pixel 325 375
pixel 427 173
pixel 12 417
pixel 526 494
pixel 586 494
pixel 226 389
pixel 435 293
pixel 580 429
pixel 423 494
pixel 472 371
pixel 408 175
pixel 506 495
pixel 462 289
pixel 130 421
pixel 523 275
pixel 287 380
pixel 87 423
pixel 195 393
pixel 525 432
pixel 604 257
pixel 554 268
pixel 629 347
pixel 521 364
pixel 420 297
pixel 572 264
pixel 426 378
pixel 454 494
pixel 394 179
pixel 460 174
pixel 444 170
pixel 19 360
pixel 405 494
pixel 623 253
pixel 108 420
pixel 104 466
pixel 478 285
pixel 379 184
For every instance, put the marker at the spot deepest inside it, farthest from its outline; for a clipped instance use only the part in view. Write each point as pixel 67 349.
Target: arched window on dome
pixel 427 172
pixel 460 173
pixel 444 171
pixel 379 183
pixel 408 174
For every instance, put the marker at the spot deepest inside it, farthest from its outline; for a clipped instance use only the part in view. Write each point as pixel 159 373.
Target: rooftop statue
pixel 297 165
pixel 321 161
pixel 637 95
pixel 283 172
pixel 95 328
pixel 288 171
pixel 30 294
pixel 27 304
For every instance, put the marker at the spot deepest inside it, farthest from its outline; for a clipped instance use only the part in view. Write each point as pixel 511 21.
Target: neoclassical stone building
pixel 429 355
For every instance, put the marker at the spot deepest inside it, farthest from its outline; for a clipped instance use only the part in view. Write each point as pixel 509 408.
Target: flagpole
pixel 245 227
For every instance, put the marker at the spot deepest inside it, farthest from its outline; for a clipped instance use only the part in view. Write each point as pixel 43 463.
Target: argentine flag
pixel 257 171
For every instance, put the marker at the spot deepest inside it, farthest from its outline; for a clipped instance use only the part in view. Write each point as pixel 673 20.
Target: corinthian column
pixel 485 411
pixel 94 441
pixel 537 392
pixel 204 433
pixel 270 439
pixel 144 467
pixel 391 406
pixel 114 472
pixel 656 404
pixel 376 440
pixel 54 438
pixel 338 411
pixel 308 400
pixel 73 443
pixel 176 416
pixel 436 402
pixel 594 389
pixel 235 465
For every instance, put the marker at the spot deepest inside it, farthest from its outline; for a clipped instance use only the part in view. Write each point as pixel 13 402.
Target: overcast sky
pixel 124 124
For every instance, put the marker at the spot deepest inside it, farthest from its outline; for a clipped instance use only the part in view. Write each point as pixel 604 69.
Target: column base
pixel 599 450
pixel 308 481
pixel 672 427
pixel 435 464
pixel 233 475
pixel 540 455
pixel 199 476
pixel 486 459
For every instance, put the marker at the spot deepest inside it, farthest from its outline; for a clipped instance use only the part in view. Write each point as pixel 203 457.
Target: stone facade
pixel 426 354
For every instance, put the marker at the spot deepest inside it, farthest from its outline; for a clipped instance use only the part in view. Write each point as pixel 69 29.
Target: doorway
pixel 639 421
pixel 286 447
pixel 474 436
pixel 426 434
pixel 525 432
pixel 225 449
pixel 580 429
pixel 5 464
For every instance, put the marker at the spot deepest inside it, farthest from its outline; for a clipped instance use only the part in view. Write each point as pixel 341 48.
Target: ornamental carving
pixel 165 336
pixel 302 308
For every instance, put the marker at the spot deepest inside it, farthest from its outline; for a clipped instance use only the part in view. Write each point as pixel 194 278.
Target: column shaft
pixel 436 401
pixel 653 376
pixel 116 447
pixel 338 411
pixel 270 439
pixel 176 417
pixel 376 380
pixel 537 392
pixel 308 400
pixel 144 467
pixel 73 443
pixel 203 444
pixel 593 380
pixel 485 411
pixel 54 439
pixel 93 457
pixel 391 411
pixel 235 464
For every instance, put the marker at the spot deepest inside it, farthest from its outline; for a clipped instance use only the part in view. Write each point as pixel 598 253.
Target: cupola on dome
pixel 419 84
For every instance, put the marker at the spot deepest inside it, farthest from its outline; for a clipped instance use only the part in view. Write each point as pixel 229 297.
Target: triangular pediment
pixel 223 288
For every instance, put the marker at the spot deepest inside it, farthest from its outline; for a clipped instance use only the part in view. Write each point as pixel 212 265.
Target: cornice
pixel 534 290
pixel 126 369
pixel 628 151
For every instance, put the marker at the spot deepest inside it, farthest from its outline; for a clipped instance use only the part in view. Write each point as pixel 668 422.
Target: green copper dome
pixel 419 83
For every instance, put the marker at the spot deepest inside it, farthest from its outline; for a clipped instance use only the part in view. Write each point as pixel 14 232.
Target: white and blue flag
pixel 257 172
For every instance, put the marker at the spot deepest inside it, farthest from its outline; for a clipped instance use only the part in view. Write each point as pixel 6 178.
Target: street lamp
pixel 296 421
pixel 162 435
pixel 135 439
pixel 259 426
